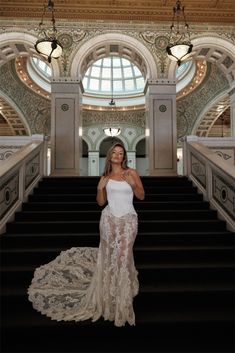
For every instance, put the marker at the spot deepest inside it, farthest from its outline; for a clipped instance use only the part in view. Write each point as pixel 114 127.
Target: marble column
pixel 232 111
pixel 161 132
pixel 93 163
pixel 66 126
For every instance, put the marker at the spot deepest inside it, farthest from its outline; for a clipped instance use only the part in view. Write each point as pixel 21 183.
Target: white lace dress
pixel 87 283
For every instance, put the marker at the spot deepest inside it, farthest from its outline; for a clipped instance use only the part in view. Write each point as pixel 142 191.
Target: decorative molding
pixel 224 194
pixel 32 170
pixel 162 82
pixel 226 153
pixel 65 80
pixel 9 193
pixel 8 151
pixel 136 118
pixel 34 108
pixel 74 34
pixel 198 169
pixel 200 74
pixel 10 146
pixel 152 11
pixel 192 106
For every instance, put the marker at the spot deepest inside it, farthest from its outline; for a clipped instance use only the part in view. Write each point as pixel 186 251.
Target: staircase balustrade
pixel 18 175
pixel 214 178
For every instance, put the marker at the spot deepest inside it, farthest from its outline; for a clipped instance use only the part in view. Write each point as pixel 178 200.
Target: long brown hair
pixel 108 164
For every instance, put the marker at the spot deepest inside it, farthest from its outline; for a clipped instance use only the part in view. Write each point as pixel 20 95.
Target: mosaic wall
pixel 34 108
pixel 191 107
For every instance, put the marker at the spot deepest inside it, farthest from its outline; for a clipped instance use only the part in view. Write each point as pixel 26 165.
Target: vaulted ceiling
pixel 212 12
pixel 197 11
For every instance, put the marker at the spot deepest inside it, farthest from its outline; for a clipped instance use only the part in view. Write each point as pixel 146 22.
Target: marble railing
pixel 12 144
pixel 18 175
pixel 213 176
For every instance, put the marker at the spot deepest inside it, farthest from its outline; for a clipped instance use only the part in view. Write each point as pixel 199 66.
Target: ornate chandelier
pixel 47 44
pixel 180 46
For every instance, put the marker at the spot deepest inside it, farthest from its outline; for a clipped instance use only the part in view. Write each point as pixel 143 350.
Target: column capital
pixel 161 81
pixel 66 84
pixel 66 79
pixel 161 86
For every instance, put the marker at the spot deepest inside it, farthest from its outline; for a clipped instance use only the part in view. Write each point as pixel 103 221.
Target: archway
pixel 114 44
pixel 219 53
pixel 15 44
pixel 141 156
pixel 104 147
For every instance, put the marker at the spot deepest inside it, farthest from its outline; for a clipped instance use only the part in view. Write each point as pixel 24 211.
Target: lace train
pixel 87 283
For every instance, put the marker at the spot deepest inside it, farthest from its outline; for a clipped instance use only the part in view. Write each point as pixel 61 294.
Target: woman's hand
pixel 101 196
pixel 128 177
pixel 132 178
pixel 102 183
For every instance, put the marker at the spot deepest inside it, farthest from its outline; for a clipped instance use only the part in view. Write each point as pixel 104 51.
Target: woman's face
pixel 117 155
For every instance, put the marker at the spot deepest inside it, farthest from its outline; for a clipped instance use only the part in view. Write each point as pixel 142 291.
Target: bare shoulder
pixel 133 172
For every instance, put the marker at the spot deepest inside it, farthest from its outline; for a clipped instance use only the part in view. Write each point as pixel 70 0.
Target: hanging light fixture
pixel 180 46
pixel 47 44
pixel 112 131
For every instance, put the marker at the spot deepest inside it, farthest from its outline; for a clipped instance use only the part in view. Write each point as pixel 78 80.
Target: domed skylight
pixel 41 66
pixel 113 74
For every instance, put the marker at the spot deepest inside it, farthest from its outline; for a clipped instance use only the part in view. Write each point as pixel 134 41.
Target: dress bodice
pixel 120 197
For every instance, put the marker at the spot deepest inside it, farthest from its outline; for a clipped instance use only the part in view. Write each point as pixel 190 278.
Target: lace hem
pixel 87 283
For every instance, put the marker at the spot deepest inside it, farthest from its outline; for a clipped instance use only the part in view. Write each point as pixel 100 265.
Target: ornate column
pixel 93 163
pixel 66 125
pixel 232 111
pixel 161 133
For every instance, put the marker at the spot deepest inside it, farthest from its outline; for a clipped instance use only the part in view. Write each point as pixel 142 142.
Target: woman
pixel 87 283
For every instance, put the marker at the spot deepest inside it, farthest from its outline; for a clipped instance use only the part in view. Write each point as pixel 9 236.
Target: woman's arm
pixel 132 178
pixel 101 196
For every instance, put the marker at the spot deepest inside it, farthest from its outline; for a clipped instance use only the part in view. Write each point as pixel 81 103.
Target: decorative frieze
pixel 7 151
pixel 93 117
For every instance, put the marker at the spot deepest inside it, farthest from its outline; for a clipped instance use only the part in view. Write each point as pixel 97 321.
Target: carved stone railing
pixel 213 177
pixel 18 175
